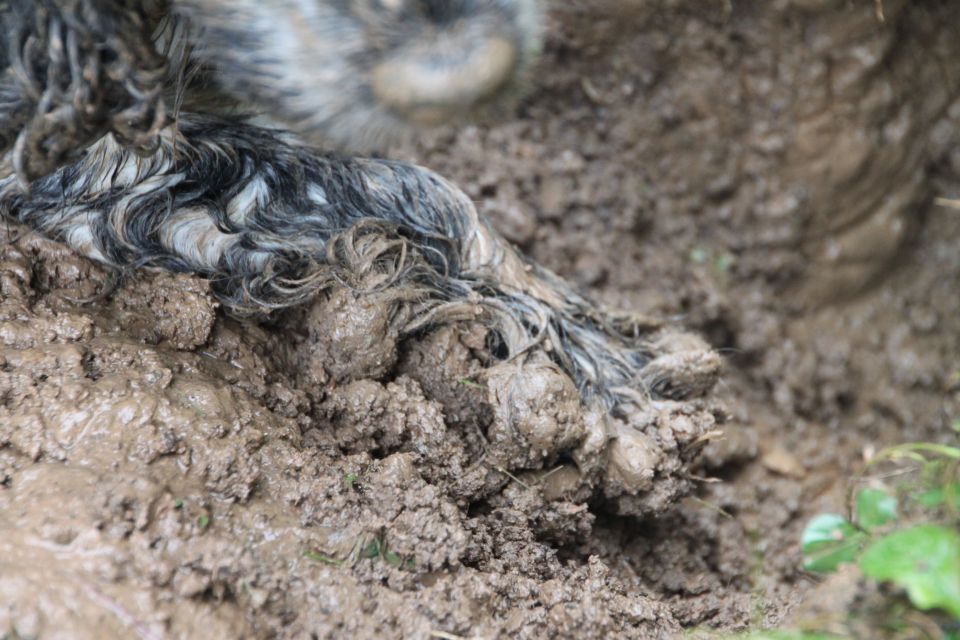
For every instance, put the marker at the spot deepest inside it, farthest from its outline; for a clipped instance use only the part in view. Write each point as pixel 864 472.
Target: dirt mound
pixel 170 471
pixel 759 172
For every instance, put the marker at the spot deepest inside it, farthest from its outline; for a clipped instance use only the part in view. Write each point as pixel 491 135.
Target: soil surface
pixel 773 175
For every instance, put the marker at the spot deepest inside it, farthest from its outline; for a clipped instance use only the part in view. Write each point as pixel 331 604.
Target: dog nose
pixel 428 89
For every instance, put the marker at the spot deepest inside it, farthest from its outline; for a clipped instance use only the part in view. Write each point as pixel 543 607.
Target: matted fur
pixel 271 221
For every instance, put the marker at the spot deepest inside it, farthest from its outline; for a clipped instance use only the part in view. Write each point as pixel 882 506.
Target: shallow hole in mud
pixel 478 509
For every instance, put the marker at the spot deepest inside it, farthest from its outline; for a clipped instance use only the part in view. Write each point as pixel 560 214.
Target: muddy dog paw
pixel 273 222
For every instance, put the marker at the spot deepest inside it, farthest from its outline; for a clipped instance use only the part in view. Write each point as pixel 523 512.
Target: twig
pixel 511 476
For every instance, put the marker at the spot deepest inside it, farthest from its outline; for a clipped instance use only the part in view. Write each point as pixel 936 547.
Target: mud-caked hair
pixel 206 136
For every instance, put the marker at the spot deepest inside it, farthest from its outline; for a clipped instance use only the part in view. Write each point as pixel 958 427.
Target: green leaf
pixel 829 541
pixel 949 494
pixel 875 508
pixel 392 558
pixel 316 556
pixel 924 560
pixel 371 549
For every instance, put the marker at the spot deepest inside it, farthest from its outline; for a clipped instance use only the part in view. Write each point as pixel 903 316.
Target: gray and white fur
pixel 135 131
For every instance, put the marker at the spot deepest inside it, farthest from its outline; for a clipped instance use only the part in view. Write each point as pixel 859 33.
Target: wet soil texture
pixel 769 175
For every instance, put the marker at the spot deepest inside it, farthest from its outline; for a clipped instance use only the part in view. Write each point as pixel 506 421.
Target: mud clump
pixel 537 412
pixel 351 335
pixel 171 474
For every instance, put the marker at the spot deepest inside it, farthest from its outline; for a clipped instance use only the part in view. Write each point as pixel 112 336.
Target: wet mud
pixel 761 174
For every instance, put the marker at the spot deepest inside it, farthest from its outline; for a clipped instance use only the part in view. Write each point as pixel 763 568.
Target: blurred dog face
pixel 358 73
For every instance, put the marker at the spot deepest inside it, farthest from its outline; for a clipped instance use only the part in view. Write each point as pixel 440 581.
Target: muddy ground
pixel 763 173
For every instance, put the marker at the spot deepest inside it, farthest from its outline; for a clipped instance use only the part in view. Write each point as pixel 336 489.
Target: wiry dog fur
pixel 133 131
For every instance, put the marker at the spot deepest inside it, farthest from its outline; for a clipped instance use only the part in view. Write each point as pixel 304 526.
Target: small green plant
pixel 373 547
pixel 322 558
pixel 377 548
pixel 902 529
pixel 350 480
